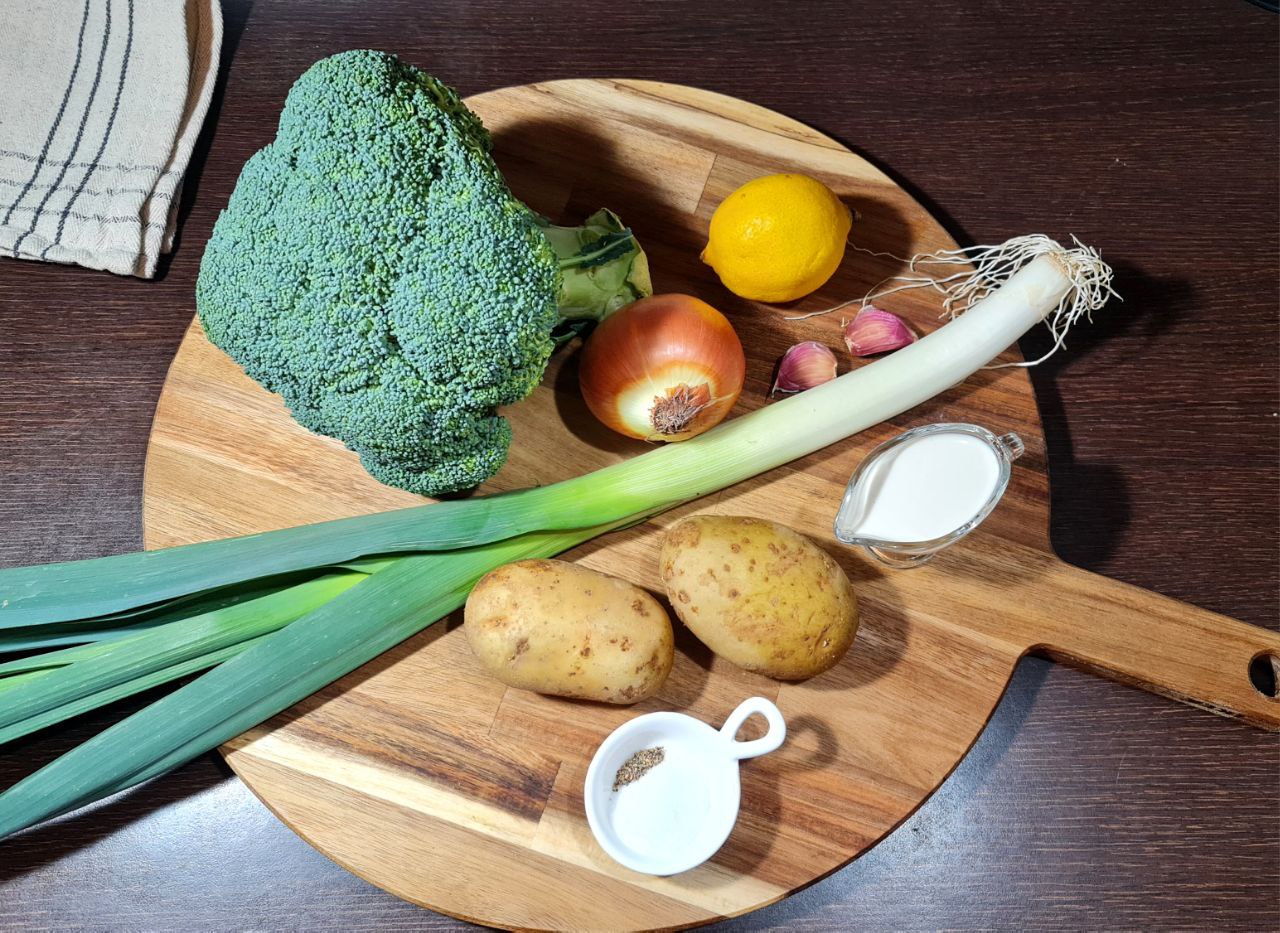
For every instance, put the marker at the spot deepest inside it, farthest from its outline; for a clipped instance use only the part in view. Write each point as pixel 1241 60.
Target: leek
pixel 1057 283
pixel 120 691
pixel 95 634
pixel 458 541
pixel 76 673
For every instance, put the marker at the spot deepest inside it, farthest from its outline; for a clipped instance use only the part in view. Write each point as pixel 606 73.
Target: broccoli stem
pixel 602 268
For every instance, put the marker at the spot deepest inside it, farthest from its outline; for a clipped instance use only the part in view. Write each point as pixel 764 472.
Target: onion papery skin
pixel 664 368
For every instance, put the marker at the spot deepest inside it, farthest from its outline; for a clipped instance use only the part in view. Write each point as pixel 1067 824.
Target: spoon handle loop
pixel 767 742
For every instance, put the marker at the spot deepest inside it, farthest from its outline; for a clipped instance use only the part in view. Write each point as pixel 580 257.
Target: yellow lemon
pixel 777 238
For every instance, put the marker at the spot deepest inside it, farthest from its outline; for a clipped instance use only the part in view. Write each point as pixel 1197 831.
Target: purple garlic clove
pixel 874 331
pixel 804 366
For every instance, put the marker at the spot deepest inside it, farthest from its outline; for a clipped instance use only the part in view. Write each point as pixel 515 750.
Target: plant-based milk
pixel 923 489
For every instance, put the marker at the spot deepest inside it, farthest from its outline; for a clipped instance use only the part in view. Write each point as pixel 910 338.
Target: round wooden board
pixel 424 776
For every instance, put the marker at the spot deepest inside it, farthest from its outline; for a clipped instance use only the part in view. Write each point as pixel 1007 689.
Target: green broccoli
pixel 373 268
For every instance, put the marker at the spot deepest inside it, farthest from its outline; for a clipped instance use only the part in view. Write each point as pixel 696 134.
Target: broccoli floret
pixel 373 268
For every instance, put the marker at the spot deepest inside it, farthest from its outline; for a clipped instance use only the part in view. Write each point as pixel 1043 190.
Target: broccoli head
pixel 373 269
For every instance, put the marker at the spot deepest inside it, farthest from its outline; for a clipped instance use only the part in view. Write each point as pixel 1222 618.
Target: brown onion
pixel 664 368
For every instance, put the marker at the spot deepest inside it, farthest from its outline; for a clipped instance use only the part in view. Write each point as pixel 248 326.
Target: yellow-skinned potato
pixel 554 627
pixel 759 595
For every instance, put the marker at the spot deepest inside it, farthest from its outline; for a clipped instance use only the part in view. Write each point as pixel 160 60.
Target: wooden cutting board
pixel 422 775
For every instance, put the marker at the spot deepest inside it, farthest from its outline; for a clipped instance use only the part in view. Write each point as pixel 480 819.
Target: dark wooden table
pixel 1148 130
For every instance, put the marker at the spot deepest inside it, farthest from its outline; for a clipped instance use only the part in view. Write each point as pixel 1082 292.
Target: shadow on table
pixel 233 23
pixel 974 772
pixel 1095 493
pixel 49 842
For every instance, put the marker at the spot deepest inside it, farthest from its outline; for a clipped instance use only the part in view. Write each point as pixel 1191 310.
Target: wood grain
pixel 1084 804
pixel 421 775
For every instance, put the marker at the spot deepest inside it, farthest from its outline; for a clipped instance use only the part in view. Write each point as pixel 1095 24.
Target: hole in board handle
pixel 1264 673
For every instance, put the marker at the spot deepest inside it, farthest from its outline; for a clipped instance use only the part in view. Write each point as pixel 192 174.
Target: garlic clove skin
pixel 874 331
pixel 804 366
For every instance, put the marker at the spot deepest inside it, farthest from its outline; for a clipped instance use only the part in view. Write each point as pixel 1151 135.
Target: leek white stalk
pixel 1059 285
pixel 809 421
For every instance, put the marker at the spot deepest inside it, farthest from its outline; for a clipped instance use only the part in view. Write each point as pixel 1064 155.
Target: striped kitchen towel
pixel 100 104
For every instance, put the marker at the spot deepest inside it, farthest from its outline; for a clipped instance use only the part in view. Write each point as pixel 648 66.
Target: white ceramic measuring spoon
pixel 679 813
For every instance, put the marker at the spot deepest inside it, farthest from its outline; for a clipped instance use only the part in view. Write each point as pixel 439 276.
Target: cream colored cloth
pixel 100 104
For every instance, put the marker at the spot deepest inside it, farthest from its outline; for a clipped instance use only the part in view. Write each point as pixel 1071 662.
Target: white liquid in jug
pixel 923 489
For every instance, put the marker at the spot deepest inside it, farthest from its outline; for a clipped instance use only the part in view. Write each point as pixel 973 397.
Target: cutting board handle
pixel 1160 644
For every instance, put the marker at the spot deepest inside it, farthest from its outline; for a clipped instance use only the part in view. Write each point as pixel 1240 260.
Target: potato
pixel 759 595
pixel 554 627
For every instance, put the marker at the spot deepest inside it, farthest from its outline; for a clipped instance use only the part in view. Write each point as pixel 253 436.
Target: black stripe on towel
pixel 123 167
pixel 95 193
pixel 75 147
pixel 100 218
pixel 48 140
pixel 111 122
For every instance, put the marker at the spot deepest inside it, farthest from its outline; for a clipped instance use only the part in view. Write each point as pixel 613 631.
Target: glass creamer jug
pixel 924 490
